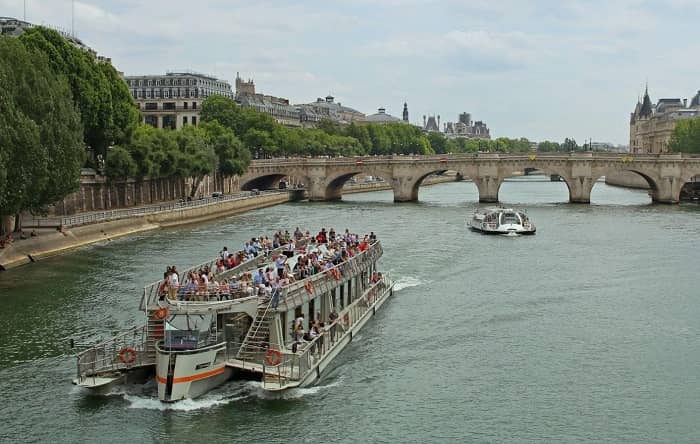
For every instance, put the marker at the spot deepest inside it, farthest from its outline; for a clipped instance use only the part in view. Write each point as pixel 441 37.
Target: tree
pixel 233 157
pixel 119 164
pixel 198 157
pixel 438 142
pixel 40 147
pixel 106 108
pixel 223 110
pixel 547 146
pixel 259 142
pixel 686 136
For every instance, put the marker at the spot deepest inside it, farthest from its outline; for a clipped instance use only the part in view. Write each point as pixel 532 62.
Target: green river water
pixel 586 332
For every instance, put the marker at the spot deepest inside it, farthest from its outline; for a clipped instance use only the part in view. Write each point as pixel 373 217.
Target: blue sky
pixel 535 69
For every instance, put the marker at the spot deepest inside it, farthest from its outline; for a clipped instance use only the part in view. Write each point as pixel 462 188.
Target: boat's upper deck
pixel 290 275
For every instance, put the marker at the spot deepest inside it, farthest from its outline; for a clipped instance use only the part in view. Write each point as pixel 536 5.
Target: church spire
pixel 405 112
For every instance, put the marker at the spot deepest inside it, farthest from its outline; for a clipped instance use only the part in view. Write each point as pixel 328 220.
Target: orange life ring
pixel 273 357
pixel 159 314
pixel 127 355
pixel 346 320
pixel 309 287
pixel 336 274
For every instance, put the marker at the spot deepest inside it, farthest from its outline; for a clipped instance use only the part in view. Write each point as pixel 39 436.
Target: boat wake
pixel 407 282
pixel 296 393
pixel 218 397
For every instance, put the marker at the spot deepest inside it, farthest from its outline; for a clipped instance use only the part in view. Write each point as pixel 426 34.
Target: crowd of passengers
pixel 203 284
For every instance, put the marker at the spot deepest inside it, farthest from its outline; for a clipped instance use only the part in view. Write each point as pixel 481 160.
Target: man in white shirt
pixel 173 283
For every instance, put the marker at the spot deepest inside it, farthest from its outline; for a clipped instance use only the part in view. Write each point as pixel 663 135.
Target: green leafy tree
pixel 259 142
pixel 438 142
pixel 686 136
pixel 233 157
pixel 548 147
pixel 198 157
pixel 106 109
pixel 119 164
pixel 41 133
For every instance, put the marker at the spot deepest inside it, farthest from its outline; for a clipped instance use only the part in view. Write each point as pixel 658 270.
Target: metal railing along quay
pixel 90 218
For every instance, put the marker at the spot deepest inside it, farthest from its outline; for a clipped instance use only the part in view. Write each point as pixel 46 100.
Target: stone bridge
pixel 324 177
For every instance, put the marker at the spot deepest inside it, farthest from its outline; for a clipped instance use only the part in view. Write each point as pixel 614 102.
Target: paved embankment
pixel 50 243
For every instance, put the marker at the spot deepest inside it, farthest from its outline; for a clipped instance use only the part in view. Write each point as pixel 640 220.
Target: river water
pixel 585 332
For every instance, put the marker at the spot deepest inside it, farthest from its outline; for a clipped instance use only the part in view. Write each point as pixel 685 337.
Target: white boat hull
pixel 319 366
pixel 186 375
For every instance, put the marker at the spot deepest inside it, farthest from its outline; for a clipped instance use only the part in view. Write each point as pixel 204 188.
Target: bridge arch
pixel 265 182
pixel 690 188
pixel 407 190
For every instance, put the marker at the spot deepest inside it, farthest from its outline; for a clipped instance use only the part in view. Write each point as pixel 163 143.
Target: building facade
pixel 278 107
pixel 467 128
pixel 651 125
pixel 329 109
pixel 174 100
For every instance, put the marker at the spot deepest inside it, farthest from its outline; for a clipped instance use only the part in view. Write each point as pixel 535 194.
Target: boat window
pixel 510 218
pixel 186 331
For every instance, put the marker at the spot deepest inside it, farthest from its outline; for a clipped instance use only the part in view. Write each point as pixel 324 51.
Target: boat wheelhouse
pixel 502 221
pixel 194 341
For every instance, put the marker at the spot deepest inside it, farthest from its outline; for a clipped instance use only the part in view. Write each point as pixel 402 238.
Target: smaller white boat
pixel 502 221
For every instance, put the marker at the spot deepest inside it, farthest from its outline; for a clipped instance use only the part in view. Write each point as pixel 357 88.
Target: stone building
pixel 329 109
pixel 431 124
pixel 651 125
pixel 174 100
pixel 465 127
pixel 278 107
pixel 381 116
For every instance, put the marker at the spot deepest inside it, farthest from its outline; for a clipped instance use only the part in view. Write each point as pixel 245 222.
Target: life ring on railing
pixel 336 273
pixel 309 287
pixel 159 314
pixel 127 355
pixel 346 320
pixel 273 357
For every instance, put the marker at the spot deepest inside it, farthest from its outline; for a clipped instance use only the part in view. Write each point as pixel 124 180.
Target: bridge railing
pixel 469 156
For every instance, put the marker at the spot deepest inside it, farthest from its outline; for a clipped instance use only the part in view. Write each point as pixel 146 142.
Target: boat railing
pixel 295 365
pixel 152 292
pixel 294 293
pixel 124 351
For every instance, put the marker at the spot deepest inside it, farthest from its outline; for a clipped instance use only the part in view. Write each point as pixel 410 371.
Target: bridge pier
pixel 488 187
pixel 667 191
pixel 317 189
pixel 405 189
pixel 579 189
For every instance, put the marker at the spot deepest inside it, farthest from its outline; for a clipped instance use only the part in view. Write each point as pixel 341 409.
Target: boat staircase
pixel 257 339
pixel 155 332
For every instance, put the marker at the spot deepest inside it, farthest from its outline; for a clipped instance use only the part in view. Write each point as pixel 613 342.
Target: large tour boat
pixel 195 339
pixel 502 221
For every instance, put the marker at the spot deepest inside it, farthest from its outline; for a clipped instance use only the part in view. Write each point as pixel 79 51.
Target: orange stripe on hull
pixel 216 371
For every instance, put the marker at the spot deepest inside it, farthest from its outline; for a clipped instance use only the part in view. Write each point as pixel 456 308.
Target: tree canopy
pixel 102 98
pixel 686 136
pixel 41 149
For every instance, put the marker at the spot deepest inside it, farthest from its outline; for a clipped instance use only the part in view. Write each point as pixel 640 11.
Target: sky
pixel 544 70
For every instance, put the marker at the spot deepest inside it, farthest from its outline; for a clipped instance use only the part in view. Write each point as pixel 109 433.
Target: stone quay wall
pixel 96 193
